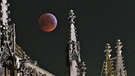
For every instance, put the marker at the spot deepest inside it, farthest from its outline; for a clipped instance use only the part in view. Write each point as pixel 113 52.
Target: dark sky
pixel 98 22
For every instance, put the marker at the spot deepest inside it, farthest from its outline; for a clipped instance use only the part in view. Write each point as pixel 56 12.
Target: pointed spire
pixel 77 68
pixel 71 16
pixel 72 27
pixel 74 44
pixel 114 66
pixel 7 31
pixel 119 46
pixel 108 65
pixel 120 69
pixel 4 19
pixel 108 50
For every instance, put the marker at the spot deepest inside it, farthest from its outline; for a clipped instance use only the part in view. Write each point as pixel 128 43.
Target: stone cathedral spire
pixel 7 34
pixel 7 39
pixel 120 69
pixel 114 66
pixel 77 67
pixel 13 60
pixel 108 63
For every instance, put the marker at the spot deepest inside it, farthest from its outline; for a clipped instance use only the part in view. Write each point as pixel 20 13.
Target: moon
pixel 47 22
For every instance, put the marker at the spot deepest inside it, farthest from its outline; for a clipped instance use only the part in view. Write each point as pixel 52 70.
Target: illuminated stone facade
pixel 114 66
pixel 76 66
pixel 13 60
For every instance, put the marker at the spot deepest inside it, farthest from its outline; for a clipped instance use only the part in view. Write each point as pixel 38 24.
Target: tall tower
pixel 120 69
pixel 13 60
pixel 114 66
pixel 77 67
pixel 108 63
pixel 7 39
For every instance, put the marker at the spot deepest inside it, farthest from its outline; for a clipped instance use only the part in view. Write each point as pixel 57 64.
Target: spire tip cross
pixel 72 17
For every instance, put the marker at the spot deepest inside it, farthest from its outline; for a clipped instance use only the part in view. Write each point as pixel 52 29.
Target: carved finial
pixel 118 47
pixel 119 44
pixel 83 69
pixel 71 16
pixel 108 50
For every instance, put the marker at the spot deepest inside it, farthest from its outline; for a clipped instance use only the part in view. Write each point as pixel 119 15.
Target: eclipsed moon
pixel 47 22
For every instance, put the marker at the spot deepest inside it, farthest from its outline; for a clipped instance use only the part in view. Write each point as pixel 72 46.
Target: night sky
pixel 98 22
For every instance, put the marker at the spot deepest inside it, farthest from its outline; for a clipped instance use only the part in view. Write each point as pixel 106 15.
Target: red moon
pixel 47 22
